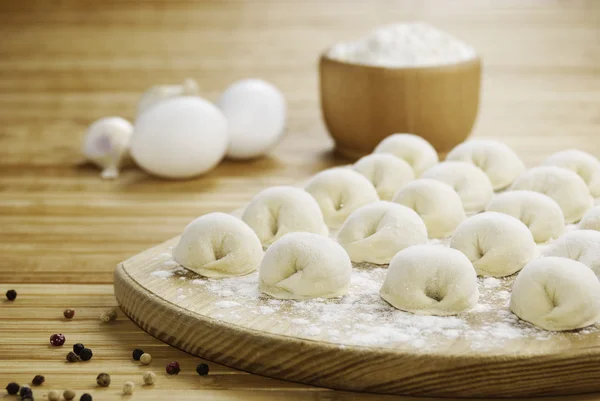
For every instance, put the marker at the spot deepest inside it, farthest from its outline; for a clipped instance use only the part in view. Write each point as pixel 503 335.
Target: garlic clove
pixel 106 144
pixel 155 94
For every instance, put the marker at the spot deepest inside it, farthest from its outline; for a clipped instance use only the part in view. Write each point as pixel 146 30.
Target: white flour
pixel 403 45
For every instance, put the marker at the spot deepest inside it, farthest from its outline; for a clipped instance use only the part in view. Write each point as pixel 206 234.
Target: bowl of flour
pixel 402 78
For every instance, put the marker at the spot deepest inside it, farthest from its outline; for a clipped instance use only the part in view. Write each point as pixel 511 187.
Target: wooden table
pixel 63 230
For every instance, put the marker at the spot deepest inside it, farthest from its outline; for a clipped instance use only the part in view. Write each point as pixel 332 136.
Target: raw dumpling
pixel 582 163
pixel 497 244
pixel 562 185
pixel 470 183
pixel 413 149
pixel 386 172
pixel 376 232
pixel 430 280
pixel 437 203
pixel 277 211
pixel 304 266
pixel 340 191
pixel 218 245
pixel 539 212
pixel 497 160
pixel 591 219
pixel 556 294
pixel 580 245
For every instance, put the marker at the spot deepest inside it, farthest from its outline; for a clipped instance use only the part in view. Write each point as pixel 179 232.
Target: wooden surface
pixel 65 63
pixel 329 343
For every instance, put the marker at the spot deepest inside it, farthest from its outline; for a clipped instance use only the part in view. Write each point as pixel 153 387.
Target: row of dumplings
pixel 387 214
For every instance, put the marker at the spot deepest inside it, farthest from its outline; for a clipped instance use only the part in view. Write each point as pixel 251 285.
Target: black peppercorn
pixel 25 392
pixel 38 380
pixel 173 368
pixel 137 353
pixel 86 354
pixel 202 369
pixel 69 313
pixel 11 295
pixel 85 397
pixel 12 388
pixel 77 348
pixel 103 379
pixel 72 357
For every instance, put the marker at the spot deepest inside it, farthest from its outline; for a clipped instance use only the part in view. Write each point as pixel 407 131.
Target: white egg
pixel 180 137
pixel 256 112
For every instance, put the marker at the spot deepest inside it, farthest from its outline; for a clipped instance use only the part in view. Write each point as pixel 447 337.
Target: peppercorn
pixel 103 379
pixel 53 395
pixel 137 354
pixel 202 369
pixel 77 348
pixel 145 359
pixel 85 397
pixel 12 388
pixel 128 388
pixel 149 377
pixel 69 313
pixel 72 357
pixel 57 340
pixel 28 397
pixel 25 391
pixel 86 354
pixel 173 368
pixel 108 316
pixel 68 394
pixel 11 295
pixel 38 380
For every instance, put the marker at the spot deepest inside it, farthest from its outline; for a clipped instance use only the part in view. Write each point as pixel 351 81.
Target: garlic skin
pixel 106 144
pixel 256 112
pixel 155 94
pixel 179 138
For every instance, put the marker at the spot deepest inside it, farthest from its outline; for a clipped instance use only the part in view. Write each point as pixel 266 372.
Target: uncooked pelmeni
pixel 591 219
pixel 277 211
pixel 497 160
pixel 564 186
pixel 304 266
pixel 376 232
pixel 413 149
pixel 497 244
pixel 556 294
pixel 436 202
pixel 386 172
pixel 340 191
pixel 430 280
pixel 218 245
pixel 470 182
pixel 580 245
pixel 582 163
pixel 539 212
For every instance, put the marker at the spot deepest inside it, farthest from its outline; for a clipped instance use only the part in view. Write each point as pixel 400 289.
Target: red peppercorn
pixel 38 380
pixel 173 368
pixel 56 340
pixel 69 313
pixel 11 295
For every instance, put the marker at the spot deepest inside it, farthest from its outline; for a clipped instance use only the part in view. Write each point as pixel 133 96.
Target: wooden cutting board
pixel 357 342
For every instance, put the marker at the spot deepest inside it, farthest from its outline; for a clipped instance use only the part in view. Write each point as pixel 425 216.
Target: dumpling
pixel 580 245
pixel 437 203
pixel 218 245
pixel 430 280
pixel 562 185
pixel 304 266
pixel 580 162
pixel 539 212
pixel 277 211
pixel 470 183
pixel 340 191
pixel 386 172
pixel 413 149
pixel 591 219
pixel 497 244
pixel 497 160
pixel 376 232
pixel 556 294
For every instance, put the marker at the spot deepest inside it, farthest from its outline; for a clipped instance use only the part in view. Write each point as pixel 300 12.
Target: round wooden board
pixel 185 310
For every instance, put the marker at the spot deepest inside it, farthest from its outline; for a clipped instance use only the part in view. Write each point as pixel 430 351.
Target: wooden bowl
pixel 364 104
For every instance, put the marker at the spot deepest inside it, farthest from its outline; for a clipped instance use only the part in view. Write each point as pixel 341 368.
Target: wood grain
pixel 65 63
